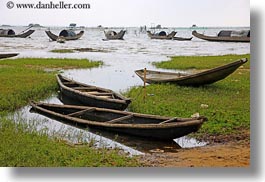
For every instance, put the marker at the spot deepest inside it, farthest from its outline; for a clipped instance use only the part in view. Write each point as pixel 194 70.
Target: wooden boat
pixel 11 33
pixel 161 35
pixel 4 55
pixel 141 125
pixel 181 38
pixel 222 38
pixel 66 34
pixel 187 79
pixel 91 95
pixel 112 35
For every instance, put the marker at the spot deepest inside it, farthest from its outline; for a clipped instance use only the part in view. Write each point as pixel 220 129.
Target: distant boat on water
pixel 226 36
pixel 65 34
pixel 7 55
pixel 11 33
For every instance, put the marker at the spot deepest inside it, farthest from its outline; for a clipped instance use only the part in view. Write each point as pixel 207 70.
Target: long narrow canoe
pixel 91 95
pixel 161 36
pixel 21 35
pixel 221 38
pixel 54 37
pixel 4 55
pixel 112 35
pixel 182 38
pixel 141 125
pixel 186 79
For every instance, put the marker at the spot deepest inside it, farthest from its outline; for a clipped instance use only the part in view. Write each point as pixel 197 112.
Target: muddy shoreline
pixel 222 151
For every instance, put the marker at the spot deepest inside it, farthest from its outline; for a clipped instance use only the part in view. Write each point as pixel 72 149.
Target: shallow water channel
pixel 120 60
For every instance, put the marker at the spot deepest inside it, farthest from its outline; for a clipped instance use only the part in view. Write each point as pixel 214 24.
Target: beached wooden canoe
pixel 141 125
pixel 65 34
pixel 112 35
pixel 161 35
pixel 11 33
pixel 4 55
pixel 222 38
pixel 181 38
pixel 91 95
pixel 187 79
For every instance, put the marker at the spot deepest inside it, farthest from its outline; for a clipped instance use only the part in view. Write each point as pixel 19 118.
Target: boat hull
pixel 141 125
pixel 118 36
pixel 198 79
pixel 83 98
pixel 3 56
pixel 23 35
pixel 181 39
pixel 90 101
pixel 159 37
pixel 220 39
pixel 54 37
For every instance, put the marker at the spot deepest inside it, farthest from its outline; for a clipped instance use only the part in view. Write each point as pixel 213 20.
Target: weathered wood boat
pixel 188 79
pixel 11 33
pixel 225 36
pixel 112 35
pixel 91 95
pixel 161 35
pixel 4 55
pixel 181 38
pixel 65 34
pixel 141 125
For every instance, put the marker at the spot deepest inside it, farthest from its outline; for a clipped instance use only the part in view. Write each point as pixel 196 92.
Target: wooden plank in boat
pixel 81 112
pixel 120 119
pixel 100 93
pixel 168 121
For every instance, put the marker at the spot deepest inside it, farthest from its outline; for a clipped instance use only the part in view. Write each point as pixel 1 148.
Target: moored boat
pixel 11 33
pixel 112 35
pixel 182 38
pixel 7 55
pixel 141 125
pixel 91 95
pixel 188 79
pixel 225 36
pixel 65 34
pixel 161 35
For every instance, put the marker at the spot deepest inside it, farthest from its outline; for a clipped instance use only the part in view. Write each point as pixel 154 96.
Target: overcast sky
pixel 168 13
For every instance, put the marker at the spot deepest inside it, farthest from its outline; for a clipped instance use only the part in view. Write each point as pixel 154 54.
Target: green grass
pixel 24 146
pixel 228 100
pixel 62 51
pixel 200 62
pixel 25 79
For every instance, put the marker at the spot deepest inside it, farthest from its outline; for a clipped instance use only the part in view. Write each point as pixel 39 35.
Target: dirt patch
pixel 229 153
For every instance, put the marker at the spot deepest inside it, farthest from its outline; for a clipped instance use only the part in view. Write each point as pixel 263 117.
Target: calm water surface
pixel 122 58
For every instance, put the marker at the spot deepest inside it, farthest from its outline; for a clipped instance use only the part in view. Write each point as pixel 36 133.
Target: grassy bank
pixel 22 145
pixel 200 62
pixel 225 103
pixel 27 79
pixel 77 50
